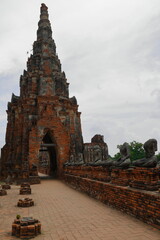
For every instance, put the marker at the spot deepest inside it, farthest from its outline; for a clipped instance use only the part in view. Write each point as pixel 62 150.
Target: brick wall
pixel 143 204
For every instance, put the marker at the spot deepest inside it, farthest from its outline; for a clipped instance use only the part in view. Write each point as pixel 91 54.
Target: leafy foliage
pixel 136 151
pixel 117 156
pixel 158 156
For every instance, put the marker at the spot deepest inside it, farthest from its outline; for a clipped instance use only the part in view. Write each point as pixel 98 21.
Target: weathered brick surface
pixel 141 178
pixel 42 109
pixel 121 176
pixel 25 190
pixel 71 215
pixel 27 227
pixel 144 205
pixel 3 192
pixel 6 186
pixel 25 202
pixel 101 173
pixel 120 188
pixel 25 184
pixel 95 151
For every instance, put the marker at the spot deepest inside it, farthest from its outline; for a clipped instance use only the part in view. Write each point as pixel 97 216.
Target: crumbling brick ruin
pixel 25 202
pixel 43 117
pixel 44 134
pixel 3 192
pixel 27 227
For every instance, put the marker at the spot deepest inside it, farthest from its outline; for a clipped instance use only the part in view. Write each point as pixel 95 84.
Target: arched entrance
pixel 48 156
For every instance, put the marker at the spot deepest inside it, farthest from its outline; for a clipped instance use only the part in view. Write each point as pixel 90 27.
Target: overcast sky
pixel 110 52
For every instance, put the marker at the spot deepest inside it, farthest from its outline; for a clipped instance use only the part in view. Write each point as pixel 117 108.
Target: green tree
pixel 117 156
pixel 158 156
pixel 136 151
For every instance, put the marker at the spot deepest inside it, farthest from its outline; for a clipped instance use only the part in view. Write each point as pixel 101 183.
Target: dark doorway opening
pixel 47 157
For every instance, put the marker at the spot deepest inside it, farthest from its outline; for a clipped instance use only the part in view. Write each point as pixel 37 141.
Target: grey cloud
pixel 109 50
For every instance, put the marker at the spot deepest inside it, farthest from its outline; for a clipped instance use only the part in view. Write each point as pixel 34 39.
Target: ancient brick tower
pixel 43 117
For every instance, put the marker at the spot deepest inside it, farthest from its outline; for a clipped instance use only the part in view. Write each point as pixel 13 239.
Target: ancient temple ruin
pixel 44 135
pixel 43 117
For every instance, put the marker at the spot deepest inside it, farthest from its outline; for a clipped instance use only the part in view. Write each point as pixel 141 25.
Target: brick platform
pixel 143 205
pixel 27 227
pixel 25 202
pixel 3 192
pixel 6 186
pixel 25 190
pixel 66 214
pixel 25 184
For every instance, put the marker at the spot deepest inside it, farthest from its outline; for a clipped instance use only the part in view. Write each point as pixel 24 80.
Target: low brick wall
pixel 92 172
pixel 143 204
pixel 140 178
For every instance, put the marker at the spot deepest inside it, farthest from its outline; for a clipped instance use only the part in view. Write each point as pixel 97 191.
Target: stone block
pixel 6 186
pixel 26 227
pixel 3 192
pixel 25 202
pixel 25 190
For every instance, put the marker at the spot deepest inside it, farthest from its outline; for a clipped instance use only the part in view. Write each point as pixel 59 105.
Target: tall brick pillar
pixel 43 116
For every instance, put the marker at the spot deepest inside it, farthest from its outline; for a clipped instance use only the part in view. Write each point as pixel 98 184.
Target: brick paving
pixel 67 214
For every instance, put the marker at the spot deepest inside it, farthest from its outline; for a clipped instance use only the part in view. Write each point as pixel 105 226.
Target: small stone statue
pixel 71 161
pixel 97 151
pixel 75 160
pixel 80 158
pixel 124 161
pixel 150 161
pixel 109 162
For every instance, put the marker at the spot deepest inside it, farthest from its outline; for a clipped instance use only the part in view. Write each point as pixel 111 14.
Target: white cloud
pixel 109 50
